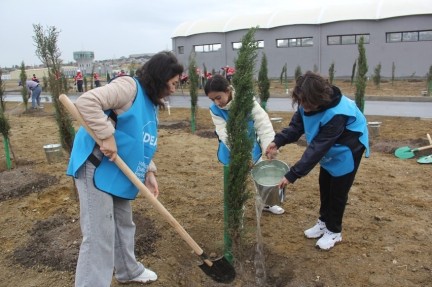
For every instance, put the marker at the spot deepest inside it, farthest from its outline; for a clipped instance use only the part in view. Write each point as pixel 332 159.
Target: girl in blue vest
pixel 219 90
pixel 123 115
pixel 337 136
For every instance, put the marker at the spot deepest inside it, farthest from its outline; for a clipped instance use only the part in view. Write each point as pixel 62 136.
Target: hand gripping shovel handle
pixel 137 182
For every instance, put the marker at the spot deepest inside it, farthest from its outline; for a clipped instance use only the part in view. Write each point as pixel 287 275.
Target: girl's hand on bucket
pixel 284 182
pixel 271 151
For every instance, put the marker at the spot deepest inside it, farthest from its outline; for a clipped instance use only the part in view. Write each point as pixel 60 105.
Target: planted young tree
pixel 23 79
pixel 377 75
pixel 240 140
pixel 284 77
pixel 193 89
pixel 393 73
pixel 263 82
pixel 4 130
pixel 353 71
pixel 49 54
pixel 108 77
pixel 361 78
pixel 298 72
pixel 331 73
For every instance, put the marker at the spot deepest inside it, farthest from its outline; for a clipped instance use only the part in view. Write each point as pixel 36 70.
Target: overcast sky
pixel 111 28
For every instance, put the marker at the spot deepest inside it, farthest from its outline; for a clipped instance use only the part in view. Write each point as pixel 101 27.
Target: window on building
pixel 237 45
pixel 352 39
pixel 294 42
pixel 207 48
pixel 409 36
pixel 180 49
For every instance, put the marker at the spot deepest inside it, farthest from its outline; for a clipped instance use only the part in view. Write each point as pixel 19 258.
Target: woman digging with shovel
pixel 337 136
pixel 123 116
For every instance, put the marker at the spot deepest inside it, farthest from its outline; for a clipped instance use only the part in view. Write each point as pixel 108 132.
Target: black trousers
pixel 334 194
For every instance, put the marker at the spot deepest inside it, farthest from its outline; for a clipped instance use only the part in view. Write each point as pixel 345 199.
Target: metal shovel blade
pixel 404 152
pixel 221 270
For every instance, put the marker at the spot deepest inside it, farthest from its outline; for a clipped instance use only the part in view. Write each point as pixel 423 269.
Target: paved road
pixel 372 107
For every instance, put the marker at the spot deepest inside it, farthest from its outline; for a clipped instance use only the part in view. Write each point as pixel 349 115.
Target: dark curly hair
pixel 312 90
pixel 156 72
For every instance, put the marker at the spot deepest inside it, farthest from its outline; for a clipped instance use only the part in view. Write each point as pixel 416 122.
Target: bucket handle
pixel 282 194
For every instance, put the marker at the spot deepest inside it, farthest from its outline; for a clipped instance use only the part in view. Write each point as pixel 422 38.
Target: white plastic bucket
pixel 266 175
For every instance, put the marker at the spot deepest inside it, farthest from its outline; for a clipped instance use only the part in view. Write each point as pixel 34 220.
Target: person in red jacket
pixel 96 79
pixel 79 80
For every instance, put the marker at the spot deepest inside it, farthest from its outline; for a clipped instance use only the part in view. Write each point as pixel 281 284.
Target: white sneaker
pixel 317 230
pixel 329 240
pixel 274 209
pixel 146 277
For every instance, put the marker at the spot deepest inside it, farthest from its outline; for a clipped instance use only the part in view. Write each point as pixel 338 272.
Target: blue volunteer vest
pixel 338 160
pixel 223 152
pixel 136 138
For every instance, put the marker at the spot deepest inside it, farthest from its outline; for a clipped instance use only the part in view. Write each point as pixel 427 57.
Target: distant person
pixel 96 79
pixel 121 73
pixel 79 80
pixel 222 94
pixel 35 79
pixel 337 136
pixel 34 91
pixel 105 193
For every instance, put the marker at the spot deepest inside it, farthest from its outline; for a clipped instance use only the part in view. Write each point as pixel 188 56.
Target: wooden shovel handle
pixel 137 182
pixel 422 148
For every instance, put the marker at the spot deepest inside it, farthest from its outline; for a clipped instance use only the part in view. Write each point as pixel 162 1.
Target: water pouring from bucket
pixel 266 175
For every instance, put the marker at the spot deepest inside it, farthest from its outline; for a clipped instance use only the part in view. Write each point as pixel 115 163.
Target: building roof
pixel 308 14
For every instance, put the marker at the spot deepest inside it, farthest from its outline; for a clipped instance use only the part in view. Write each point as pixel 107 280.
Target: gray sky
pixel 110 28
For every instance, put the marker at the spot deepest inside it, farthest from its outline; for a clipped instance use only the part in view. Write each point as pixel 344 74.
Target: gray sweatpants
pixel 108 235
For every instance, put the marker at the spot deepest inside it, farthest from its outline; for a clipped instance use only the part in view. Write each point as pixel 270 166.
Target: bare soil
pixel 387 224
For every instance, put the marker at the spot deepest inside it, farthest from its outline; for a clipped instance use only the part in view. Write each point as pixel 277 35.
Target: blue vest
pixel 338 160
pixel 223 152
pixel 136 138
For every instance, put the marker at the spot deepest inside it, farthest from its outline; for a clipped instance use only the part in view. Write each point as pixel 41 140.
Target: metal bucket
pixel 266 175
pixel 53 152
pixel 374 129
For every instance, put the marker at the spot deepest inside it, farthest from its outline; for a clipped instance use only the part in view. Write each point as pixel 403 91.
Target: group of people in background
pixel 335 130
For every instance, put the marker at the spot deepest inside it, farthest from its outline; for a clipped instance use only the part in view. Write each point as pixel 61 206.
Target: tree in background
pixel 393 72
pixel 2 90
pixel 49 54
pixel 193 89
pixel 377 75
pixel 240 141
pixel 353 71
pixel 4 124
pixel 298 72
pixel 361 79
pixel 263 82
pixel 331 73
pixel 23 79
pixel 108 77
pixel 284 77
pixel 429 81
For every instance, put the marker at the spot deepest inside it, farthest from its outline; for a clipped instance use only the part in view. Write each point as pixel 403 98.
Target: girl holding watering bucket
pixel 337 136
pixel 219 90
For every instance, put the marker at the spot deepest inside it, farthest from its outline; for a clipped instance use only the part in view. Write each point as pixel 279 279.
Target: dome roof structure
pixel 308 14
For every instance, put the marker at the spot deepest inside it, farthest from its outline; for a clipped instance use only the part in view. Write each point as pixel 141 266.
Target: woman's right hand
pixel 271 151
pixel 109 148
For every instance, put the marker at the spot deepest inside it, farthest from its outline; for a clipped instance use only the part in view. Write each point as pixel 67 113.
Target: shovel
pixel 425 159
pixel 407 152
pixel 219 269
